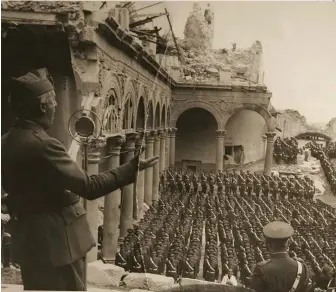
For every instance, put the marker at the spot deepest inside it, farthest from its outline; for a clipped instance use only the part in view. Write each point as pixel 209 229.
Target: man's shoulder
pixel 264 263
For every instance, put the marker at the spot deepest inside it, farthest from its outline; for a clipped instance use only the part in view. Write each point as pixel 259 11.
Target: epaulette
pixel 263 263
pixel 298 259
pixel 41 135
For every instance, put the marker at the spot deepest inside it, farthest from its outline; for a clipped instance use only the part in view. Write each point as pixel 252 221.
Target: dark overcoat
pixel 278 275
pixel 43 185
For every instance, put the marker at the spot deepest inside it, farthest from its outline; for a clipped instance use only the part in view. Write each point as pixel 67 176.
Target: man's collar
pixel 26 124
pixel 280 254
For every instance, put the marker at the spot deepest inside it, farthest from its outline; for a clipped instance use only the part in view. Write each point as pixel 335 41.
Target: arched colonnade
pixel 134 117
pixel 222 120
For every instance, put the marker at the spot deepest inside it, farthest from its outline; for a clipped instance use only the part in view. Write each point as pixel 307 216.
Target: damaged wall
pixel 202 64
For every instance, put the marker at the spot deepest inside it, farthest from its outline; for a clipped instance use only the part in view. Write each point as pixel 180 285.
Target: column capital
pixel 163 133
pixel 221 133
pixel 114 143
pixel 270 136
pixel 94 148
pixel 130 141
pixel 150 136
pixel 171 132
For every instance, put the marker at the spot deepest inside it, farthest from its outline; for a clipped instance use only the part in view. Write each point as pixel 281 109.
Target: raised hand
pixel 143 164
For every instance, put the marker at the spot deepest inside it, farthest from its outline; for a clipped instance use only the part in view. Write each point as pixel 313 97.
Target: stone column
pixel 112 203
pixel 172 147
pixel 92 206
pixel 126 218
pixel 140 183
pixel 220 149
pixel 269 153
pixel 156 167
pixel 162 150
pixel 167 150
pixel 149 152
pixel 263 146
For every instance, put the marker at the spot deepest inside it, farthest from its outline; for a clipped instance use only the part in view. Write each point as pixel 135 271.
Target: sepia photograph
pixel 168 146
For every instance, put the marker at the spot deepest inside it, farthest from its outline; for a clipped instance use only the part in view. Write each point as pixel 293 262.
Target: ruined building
pixel 191 105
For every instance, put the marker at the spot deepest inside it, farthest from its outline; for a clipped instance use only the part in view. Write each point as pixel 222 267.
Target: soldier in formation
pixel 286 150
pixel 325 156
pixel 216 225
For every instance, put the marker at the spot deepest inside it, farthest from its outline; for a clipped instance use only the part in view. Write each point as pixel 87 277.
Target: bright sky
pixel 299 44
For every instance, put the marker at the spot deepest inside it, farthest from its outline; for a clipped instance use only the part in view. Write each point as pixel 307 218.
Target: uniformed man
pixel 280 272
pixel 43 183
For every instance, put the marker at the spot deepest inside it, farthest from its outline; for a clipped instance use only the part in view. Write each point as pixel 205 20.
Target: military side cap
pixel 278 230
pixel 32 85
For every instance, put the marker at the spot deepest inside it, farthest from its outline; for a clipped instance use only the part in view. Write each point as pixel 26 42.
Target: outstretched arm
pixel 70 176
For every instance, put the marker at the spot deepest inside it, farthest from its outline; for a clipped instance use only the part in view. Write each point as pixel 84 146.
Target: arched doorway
pixel 243 141
pixel 196 139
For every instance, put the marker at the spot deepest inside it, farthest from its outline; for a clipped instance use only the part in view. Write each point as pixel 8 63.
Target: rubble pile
pixel 202 64
pixel 198 31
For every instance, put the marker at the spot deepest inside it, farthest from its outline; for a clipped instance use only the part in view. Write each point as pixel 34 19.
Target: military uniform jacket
pixel 278 275
pixel 43 184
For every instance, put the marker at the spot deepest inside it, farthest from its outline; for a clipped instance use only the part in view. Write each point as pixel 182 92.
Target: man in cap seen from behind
pixel 280 273
pixel 51 235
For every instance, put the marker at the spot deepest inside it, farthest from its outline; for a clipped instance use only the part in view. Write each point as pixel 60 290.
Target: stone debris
pixel 203 64
pixel 101 274
pixel 148 281
pixel 198 31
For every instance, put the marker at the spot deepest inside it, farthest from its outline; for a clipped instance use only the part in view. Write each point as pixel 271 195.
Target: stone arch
pixel 270 122
pixel 143 92
pixel 150 115
pixel 111 112
pixel 163 116
pixel 128 113
pixel 110 81
pixel 178 110
pixel 140 114
pixel 157 120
